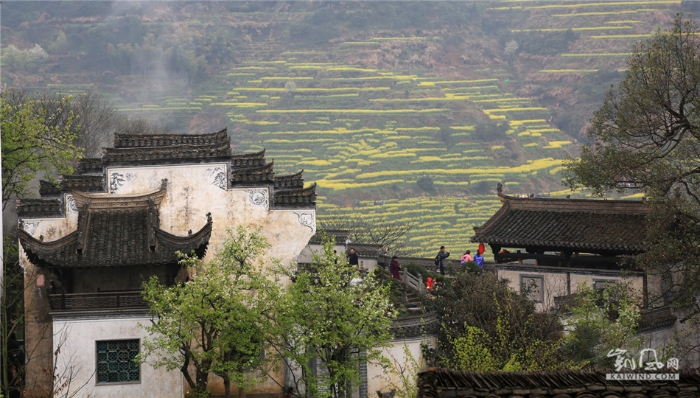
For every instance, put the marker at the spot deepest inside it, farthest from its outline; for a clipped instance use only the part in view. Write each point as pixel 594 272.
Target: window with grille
pixel 116 361
pixel 534 286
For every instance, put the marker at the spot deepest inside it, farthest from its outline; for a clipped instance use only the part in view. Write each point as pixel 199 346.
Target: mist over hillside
pixel 408 111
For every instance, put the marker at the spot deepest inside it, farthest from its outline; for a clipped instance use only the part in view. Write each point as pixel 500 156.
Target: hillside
pixel 402 111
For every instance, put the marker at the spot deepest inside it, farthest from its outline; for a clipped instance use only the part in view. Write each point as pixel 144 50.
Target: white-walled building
pixel 87 247
pixel 553 246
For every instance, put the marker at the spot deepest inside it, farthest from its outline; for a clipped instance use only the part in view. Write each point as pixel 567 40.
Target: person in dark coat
pixel 442 255
pixel 394 268
pixel 352 257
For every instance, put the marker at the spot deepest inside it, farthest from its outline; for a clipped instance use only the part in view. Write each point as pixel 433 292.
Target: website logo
pixel 625 362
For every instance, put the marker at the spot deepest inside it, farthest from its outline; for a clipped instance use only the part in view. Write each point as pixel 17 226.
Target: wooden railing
pixel 412 281
pixel 97 301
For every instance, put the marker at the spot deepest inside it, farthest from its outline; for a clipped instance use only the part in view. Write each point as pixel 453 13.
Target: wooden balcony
pixel 103 301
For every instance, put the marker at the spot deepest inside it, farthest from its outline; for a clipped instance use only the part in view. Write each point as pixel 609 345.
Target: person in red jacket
pixel 394 268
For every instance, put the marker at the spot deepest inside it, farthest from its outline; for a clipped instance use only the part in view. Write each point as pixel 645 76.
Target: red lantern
pixel 482 248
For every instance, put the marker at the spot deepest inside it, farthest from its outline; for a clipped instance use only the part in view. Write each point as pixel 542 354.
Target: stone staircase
pixel 414 288
pixel 413 299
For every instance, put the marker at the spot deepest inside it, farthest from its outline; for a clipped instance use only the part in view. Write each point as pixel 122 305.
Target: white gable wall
pixel 193 190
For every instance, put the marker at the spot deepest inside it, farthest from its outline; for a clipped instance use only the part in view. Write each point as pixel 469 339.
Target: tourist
pixel 394 268
pixel 479 260
pixel 352 257
pixel 466 257
pixel 440 259
pixel 289 392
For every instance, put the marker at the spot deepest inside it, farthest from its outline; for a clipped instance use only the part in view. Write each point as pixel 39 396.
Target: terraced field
pixel 366 135
pixel 605 30
pixel 368 132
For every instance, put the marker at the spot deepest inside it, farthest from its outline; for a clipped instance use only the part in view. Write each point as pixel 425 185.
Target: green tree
pixel 487 327
pixel 11 319
pixel 331 319
pixel 601 320
pixel 446 136
pixel 646 136
pixel 215 323
pixel 31 146
pixel 491 131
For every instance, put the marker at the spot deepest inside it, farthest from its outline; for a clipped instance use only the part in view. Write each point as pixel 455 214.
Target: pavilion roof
pixel 115 230
pixel 578 225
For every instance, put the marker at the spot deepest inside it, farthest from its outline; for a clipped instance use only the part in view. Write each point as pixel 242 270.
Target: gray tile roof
pixel 445 383
pixel 115 231
pixel 594 226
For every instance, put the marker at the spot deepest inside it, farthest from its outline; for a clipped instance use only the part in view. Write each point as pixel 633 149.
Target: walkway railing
pixel 412 281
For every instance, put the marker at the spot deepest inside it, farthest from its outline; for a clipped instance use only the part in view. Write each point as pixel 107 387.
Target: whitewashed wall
pixel 379 380
pixel 193 191
pixel 555 280
pixel 197 189
pixel 79 352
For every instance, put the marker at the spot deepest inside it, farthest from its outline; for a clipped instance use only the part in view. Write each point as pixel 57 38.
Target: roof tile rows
pixel 168 140
pixel 112 235
pixel 292 181
pixel 592 226
pixel 123 230
pixel 39 208
pixel 445 383
pixel 295 198
pixel 253 175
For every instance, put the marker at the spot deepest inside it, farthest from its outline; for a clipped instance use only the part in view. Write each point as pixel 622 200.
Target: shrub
pixel 416 269
pixel 425 183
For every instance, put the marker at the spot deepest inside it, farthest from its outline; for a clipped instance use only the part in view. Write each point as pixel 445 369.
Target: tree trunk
pixel 227 387
pixel 202 379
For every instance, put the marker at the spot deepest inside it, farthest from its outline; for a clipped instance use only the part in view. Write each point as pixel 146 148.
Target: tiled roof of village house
pixel 39 208
pixel 150 149
pixel 580 225
pixel 85 183
pixel 47 188
pixel 247 160
pixel 305 197
pixel 292 181
pixel 339 236
pixel 169 140
pixel 180 153
pixel 247 169
pixel 445 383
pixel 253 175
pixel 115 231
pixel 89 166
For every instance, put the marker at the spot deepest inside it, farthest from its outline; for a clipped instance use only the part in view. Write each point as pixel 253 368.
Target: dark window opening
pixel 116 361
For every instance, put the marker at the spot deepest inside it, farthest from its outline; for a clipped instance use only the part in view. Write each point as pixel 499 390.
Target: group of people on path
pixel 440 259
pixel 441 262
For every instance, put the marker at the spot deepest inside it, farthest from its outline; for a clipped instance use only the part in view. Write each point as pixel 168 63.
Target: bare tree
pixel 97 119
pixel 391 234
pixel 65 369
